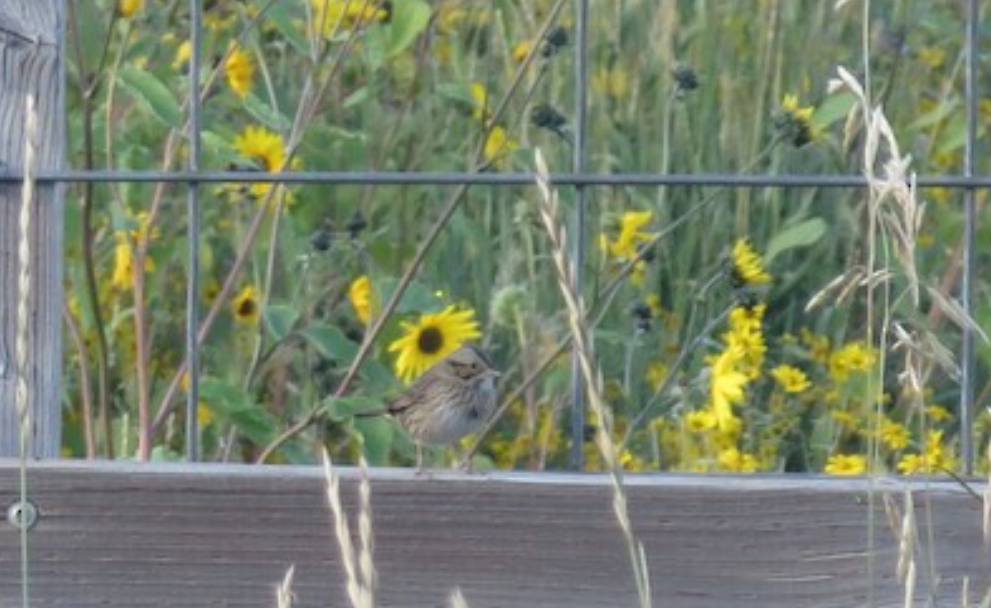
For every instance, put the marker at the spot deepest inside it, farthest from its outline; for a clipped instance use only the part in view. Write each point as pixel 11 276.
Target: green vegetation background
pixel 674 87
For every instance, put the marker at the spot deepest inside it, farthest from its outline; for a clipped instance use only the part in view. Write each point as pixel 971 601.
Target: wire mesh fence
pixel 577 181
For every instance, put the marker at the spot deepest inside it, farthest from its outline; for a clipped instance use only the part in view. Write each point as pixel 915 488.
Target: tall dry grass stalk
pixel 904 527
pixel 458 599
pixel 283 594
pixel 23 389
pixel 578 322
pixel 359 565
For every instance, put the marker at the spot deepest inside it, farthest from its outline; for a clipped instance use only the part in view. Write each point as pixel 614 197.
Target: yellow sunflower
pixel 362 298
pixel 431 338
pixel 129 8
pixel 123 276
pixel 266 148
pixel 182 54
pixel 498 145
pixel 245 306
pixel 240 71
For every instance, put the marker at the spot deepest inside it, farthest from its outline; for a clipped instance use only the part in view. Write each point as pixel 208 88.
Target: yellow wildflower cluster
pixel 748 267
pixel 794 122
pixel 936 457
pixel 333 16
pixel 630 235
pixel 851 358
pixel 746 335
pixel 846 464
pixel 123 275
pixel 732 459
pixel 791 379
pixel 498 143
pixel 893 435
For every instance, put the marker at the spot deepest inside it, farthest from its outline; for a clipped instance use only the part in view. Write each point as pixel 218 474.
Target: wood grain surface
pixel 159 535
pixel 29 65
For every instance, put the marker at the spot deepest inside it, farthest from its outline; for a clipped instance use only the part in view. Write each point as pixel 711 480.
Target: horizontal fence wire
pixel 401 178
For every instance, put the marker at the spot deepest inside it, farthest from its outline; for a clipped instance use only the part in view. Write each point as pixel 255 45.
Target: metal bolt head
pixel 22 514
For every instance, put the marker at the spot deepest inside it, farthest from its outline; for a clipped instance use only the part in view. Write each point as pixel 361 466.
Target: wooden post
pixel 29 65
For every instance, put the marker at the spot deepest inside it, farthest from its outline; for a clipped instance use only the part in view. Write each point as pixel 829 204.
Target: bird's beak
pixel 493 374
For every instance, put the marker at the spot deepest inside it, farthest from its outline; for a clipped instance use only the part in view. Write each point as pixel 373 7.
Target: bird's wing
pixel 410 397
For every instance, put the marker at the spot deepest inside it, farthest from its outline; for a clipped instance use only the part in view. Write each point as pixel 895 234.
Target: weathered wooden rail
pixel 159 535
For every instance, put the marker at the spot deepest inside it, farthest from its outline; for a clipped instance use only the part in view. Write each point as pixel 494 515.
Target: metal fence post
pixel 970 221
pixel 193 236
pixel 577 458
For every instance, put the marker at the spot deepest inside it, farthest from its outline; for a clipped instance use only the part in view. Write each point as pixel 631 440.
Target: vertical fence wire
pixel 970 220
pixel 193 235
pixel 577 459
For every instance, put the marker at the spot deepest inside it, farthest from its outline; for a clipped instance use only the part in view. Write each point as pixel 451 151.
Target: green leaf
pixel 282 16
pixel 409 19
pixel 330 342
pixel 609 336
pixel 359 97
pixel 91 22
pixel 934 116
pixel 237 407
pixel 342 408
pixel 266 114
pixel 151 93
pixel 279 319
pixel 953 136
pixel 377 435
pixel 801 234
pixel 373 45
pixel 377 374
pixel 834 108
pixel 218 146
pixel 458 92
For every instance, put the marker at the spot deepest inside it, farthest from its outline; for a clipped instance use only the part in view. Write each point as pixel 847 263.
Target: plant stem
pixel 86 391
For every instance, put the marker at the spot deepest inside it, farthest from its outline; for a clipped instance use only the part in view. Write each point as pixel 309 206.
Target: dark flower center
pixel 430 340
pixel 247 308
